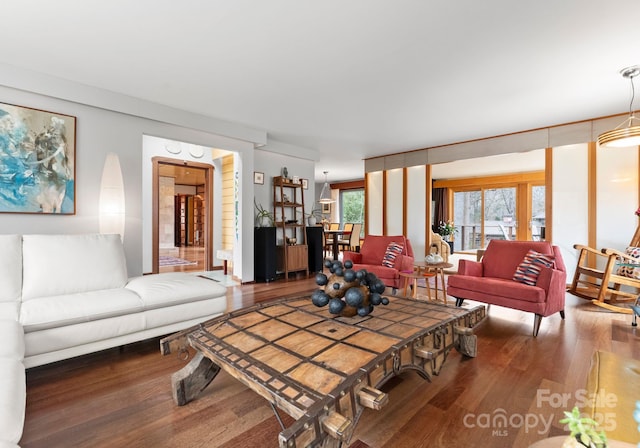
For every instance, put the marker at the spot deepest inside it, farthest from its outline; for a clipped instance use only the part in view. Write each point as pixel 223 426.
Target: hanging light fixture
pixel 626 134
pixel 325 193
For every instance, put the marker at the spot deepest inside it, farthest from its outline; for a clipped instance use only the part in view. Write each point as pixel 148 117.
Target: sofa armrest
pixel 404 263
pixel 471 268
pixel 553 282
pixel 355 257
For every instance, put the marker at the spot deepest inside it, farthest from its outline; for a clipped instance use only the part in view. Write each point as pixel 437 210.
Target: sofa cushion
pixel 529 268
pixel 496 287
pixel 390 255
pixel 55 265
pixel 173 288
pixel 12 399
pixel 201 310
pixel 10 268
pixel 10 310
pixel 12 337
pixel 502 257
pixel 59 311
pixel 382 272
pixel 374 247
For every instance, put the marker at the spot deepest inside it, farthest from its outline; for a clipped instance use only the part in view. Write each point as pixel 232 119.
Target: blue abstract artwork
pixel 37 161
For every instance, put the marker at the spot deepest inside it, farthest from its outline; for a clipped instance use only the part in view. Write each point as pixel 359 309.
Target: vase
pixel 311 220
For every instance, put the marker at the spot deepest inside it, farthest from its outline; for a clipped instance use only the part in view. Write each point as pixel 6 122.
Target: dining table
pixel 335 234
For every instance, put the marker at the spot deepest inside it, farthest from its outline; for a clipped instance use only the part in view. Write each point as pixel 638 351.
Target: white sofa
pixel 67 295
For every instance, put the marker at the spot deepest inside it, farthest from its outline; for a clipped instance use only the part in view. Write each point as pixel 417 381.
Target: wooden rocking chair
pixel 602 286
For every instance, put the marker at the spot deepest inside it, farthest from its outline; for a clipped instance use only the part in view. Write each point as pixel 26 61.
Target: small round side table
pixel 434 269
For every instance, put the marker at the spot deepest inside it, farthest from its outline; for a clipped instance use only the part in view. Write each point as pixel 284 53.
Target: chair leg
pixel 458 301
pixel 537 320
pixel 562 314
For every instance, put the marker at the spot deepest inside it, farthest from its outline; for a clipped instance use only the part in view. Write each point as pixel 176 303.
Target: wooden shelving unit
pixel 288 211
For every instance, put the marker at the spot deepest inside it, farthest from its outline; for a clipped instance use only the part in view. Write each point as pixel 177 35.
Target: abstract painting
pixel 37 161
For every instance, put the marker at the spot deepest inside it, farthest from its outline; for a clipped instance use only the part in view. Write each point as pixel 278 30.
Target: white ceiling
pixel 349 78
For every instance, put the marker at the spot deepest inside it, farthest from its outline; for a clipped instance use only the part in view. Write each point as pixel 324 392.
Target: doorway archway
pixel 196 229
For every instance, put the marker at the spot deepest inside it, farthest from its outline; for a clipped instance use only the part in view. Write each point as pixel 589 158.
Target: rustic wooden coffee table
pixel 321 369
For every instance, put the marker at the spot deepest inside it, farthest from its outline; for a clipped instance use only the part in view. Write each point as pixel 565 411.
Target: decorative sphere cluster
pixel 348 292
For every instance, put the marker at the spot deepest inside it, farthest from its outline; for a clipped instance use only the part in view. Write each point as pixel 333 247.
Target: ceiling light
pixel 325 194
pixel 626 134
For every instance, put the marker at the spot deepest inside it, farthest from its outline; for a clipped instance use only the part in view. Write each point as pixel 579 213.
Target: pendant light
pixel 626 134
pixel 325 193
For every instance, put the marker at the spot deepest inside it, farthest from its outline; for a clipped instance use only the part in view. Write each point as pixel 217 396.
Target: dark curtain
pixel 439 196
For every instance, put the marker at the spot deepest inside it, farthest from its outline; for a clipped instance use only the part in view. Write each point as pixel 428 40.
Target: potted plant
pixel 446 229
pixel 264 218
pixel 583 431
pixel 313 216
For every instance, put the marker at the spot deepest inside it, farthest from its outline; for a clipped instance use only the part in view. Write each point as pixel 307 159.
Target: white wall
pixel 271 164
pixel 570 201
pixel 374 203
pixel 395 201
pixel 108 122
pixel 416 197
pixel 617 196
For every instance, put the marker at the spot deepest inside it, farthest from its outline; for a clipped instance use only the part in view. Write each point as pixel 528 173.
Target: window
pixel 352 206
pixel 510 207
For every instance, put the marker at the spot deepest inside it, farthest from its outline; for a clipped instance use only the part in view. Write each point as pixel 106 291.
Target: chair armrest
pixel 469 267
pixel 584 250
pixel 587 248
pixel 355 257
pixel 622 256
pixel 404 263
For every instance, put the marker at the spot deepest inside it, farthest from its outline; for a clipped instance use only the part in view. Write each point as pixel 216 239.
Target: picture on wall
pixel 37 161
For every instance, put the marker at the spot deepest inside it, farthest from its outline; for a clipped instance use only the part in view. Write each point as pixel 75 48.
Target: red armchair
pixel 491 280
pixel 371 255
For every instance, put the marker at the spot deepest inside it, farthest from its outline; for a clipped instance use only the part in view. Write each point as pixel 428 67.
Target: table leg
pixel 189 381
pixel 406 285
pixel 444 286
pixel 426 280
pixel 335 246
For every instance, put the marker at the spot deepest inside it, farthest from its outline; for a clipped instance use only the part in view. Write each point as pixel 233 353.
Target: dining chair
pixel 344 239
pixel 353 242
pixel 328 240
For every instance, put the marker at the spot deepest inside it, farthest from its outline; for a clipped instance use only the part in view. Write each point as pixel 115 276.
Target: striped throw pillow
pixel 529 269
pixel 392 252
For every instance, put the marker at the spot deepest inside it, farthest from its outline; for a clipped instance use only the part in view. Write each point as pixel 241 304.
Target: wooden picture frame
pixel 305 183
pixel 38 167
pixel 258 178
pixel 326 208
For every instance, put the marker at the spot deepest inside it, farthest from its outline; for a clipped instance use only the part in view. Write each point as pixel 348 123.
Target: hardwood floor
pixel 122 397
pixel 194 254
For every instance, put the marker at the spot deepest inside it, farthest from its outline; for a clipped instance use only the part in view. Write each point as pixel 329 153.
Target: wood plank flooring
pixel 121 397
